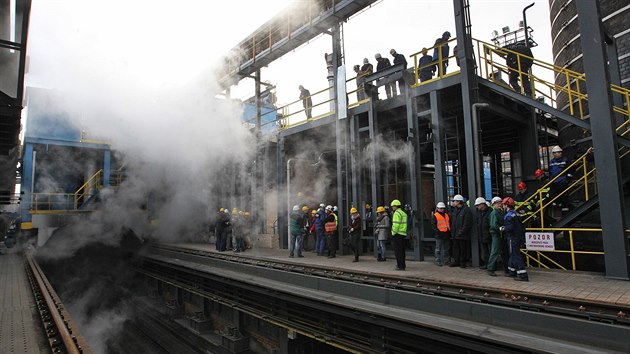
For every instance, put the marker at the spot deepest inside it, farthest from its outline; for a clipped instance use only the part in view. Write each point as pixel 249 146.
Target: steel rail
pixel 584 309
pixel 60 331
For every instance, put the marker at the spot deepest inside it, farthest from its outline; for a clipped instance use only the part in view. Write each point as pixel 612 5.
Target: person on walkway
pixel 482 222
pixel 308 222
pixel 461 226
pixel 399 233
pixel 237 231
pixel 383 226
pixel 331 231
pixel 441 223
pixel 519 60
pixel 557 165
pixel 307 102
pixel 220 230
pixel 382 64
pixel 496 222
pixel 297 229
pixel 399 59
pixel 360 83
pixel 320 230
pixel 355 233
pixel 515 235
pixel 441 46
pixel 369 220
pixel 426 66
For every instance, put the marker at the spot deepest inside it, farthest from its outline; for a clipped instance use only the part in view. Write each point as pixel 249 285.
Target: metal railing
pixel 437 66
pixel 45 202
pixel 94 183
pixel 541 259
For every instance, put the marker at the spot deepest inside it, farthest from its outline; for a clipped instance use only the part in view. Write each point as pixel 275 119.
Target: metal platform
pixel 591 287
pixel 20 327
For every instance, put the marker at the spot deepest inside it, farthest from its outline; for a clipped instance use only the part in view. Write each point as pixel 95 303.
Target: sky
pixel 159 44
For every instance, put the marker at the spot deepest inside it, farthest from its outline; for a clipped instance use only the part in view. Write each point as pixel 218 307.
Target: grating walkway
pixel 20 327
pixel 554 283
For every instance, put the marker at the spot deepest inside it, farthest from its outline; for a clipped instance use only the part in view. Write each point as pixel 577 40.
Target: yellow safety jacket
pixel 399 223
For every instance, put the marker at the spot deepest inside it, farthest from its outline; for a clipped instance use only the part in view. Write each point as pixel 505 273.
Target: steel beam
pixel 438 149
pixel 604 139
pixel 467 76
pixel 415 177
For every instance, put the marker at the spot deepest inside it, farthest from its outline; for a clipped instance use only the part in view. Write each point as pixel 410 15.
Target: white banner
pixel 540 241
pixel 342 98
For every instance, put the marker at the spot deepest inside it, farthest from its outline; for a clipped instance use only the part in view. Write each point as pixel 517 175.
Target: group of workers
pixel 231 230
pixel 499 230
pixel 322 225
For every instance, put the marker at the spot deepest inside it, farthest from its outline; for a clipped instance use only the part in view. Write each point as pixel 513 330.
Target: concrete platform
pixel 20 327
pixel 554 283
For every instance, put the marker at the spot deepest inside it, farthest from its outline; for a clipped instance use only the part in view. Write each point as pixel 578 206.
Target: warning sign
pixel 540 241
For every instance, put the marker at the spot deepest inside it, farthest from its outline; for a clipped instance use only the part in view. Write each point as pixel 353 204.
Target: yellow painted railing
pixel 94 183
pixel 51 202
pixel 437 67
pixel 542 259
pixel 117 176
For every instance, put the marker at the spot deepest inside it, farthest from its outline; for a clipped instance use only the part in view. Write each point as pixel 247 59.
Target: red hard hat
pixel 508 201
pixel 539 172
pixel 521 186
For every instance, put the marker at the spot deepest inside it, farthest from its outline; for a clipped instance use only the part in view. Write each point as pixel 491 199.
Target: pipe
pixel 525 24
pixel 476 145
pixel 289 200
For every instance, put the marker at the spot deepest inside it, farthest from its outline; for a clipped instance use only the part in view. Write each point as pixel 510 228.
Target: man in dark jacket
pixel 399 59
pixel 482 222
pixel 519 60
pixel 461 226
pixel 219 230
pixel 355 233
pixel 515 236
pixel 382 64
pixel 320 231
pixel 441 47
pixel 307 102
pixel 426 66
pixel 297 230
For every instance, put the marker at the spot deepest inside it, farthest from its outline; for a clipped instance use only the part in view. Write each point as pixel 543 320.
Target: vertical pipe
pixel 477 147
pixel 525 24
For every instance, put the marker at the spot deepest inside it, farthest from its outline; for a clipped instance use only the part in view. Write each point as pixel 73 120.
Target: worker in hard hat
pixel 482 224
pixel 382 64
pixel 308 222
pixel 330 225
pixel 496 247
pixel 524 203
pixel 237 231
pixel 355 229
pixel 320 230
pixel 461 227
pixel 441 52
pixel 399 233
pixel 382 228
pixel 297 230
pixel 441 224
pixel 368 216
pixel 515 234
pixel 560 178
pixel 219 227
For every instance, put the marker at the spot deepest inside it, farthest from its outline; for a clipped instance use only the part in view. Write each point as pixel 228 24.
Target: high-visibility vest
pixel 399 223
pixel 443 222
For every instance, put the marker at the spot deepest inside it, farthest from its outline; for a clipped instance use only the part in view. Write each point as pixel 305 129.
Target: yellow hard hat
pixel 221 210
pixel 395 202
pixel 380 209
pixel 304 208
pixel 247 213
pixel 368 205
pixel 313 211
pixel 234 211
pixel 353 210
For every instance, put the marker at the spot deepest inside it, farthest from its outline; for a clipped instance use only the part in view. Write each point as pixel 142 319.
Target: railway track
pixel 61 333
pixel 583 309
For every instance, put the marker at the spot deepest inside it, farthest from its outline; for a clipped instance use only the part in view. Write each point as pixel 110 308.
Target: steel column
pixel 374 173
pixel 604 139
pixel 106 167
pixel 467 72
pixel 340 138
pixel 282 194
pixel 438 148
pixel 415 176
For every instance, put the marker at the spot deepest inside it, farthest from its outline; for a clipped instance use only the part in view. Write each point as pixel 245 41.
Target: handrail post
pixel 585 179
pixel 572 249
pixel 541 209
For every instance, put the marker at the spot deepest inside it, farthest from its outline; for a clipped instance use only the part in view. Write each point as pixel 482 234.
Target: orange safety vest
pixel 443 222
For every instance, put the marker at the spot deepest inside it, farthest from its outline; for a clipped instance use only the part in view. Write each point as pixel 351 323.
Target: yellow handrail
pixel 92 182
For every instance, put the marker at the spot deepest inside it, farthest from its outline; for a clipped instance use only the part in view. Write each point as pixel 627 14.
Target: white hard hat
pixel 496 200
pixel 329 207
pixel 441 205
pixel 335 208
pixel 321 205
pixel 226 210
pixel 296 208
pixel 480 200
pixel 556 149
pixel 377 55
pixel 458 197
pixel 365 60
